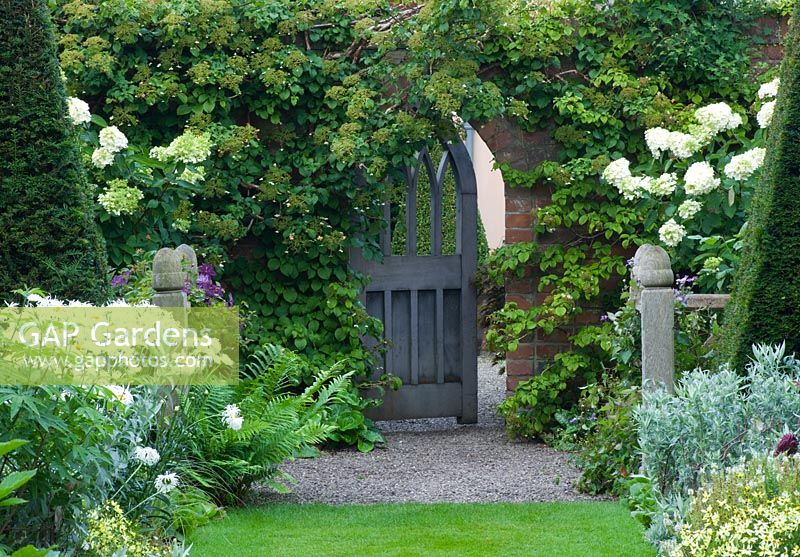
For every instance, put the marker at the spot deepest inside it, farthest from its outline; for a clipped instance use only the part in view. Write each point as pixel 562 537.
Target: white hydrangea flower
pixel 102 157
pixel 113 139
pixel 699 179
pixel 193 176
pixel 671 233
pixel 769 89
pixel 164 483
pixel 683 145
pixel 742 166
pixel 120 198
pixel 146 455
pixel 78 111
pixel 190 147
pixel 657 140
pixel 689 208
pixel 764 115
pixel 121 394
pixel 632 187
pixel 717 117
pixel 617 171
pixel 663 185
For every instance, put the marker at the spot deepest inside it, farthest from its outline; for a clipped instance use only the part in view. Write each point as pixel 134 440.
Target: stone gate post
pixel 652 285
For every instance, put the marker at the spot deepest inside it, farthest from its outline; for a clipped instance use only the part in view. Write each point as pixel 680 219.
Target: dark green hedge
pixel 765 305
pixel 48 237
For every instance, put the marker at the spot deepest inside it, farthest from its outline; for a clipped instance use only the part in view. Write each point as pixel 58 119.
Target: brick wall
pixel 524 151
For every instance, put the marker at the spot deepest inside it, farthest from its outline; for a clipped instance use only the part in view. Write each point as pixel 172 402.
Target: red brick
pixel 518 193
pixel 515 235
pixel 524 352
pixel 518 205
pixel 520 299
pixel 588 317
pixel 519 367
pixel 519 220
pixel 558 336
pixel 512 382
pixel 518 287
pixel 547 351
pixel 774 52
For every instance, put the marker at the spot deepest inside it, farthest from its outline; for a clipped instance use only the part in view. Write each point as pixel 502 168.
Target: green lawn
pixel 479 530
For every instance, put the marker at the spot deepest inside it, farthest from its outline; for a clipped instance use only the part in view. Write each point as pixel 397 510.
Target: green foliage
pixel 50 238
pixel 277 425
pixel 764 304
pixel 715 418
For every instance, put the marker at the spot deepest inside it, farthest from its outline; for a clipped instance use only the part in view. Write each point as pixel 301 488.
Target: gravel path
pixel 436 460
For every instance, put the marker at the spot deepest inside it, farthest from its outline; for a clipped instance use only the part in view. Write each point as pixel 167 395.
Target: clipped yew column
pixel 652 274
pixel 169 279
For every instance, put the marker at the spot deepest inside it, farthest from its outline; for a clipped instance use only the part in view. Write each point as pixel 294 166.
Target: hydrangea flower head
pixel 699 179
pixel 663 185
pixel 764 116
pixel 742 166
pixel 102 157
pixel 671 233
pixel 78 111
pixel 617 171
pixel 717 117
pixel 190 147
pixel 683 145
pixel 113 139
pixel 770 89
pixel 689 208
pixel 657 140
pixel 120 198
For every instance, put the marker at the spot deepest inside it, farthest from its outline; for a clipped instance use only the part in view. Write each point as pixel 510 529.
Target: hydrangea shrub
pixel 48 236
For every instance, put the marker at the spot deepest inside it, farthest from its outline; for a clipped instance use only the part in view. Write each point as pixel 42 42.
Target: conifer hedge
pixel 48 237
pixel 765 304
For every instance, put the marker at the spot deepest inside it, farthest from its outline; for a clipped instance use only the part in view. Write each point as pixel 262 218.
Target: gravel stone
pixel 437 460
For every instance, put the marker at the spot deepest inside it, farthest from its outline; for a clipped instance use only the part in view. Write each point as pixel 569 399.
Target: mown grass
pixel 585 529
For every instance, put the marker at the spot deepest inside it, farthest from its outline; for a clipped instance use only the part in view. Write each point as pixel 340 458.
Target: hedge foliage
pixel 49 238
pixel 314 106
pixel 765 303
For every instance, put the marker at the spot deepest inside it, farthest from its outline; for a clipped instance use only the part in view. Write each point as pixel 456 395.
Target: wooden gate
pixel 427 302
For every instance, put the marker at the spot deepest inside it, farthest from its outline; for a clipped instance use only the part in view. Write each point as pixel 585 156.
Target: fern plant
pixel 278 424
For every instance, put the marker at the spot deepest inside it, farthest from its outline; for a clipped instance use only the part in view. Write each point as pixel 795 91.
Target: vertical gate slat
pixel 414 300
pixel 436 209
pixel 439 335
pixel 387 326
pixel 411 218
pixel 467 246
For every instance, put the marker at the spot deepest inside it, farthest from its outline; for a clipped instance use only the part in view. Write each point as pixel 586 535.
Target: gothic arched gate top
pixel 427 303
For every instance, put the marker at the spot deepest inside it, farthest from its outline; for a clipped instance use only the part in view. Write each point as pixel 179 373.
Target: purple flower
pixel 604 318
pixel 206 269
pixel 121 279
pixel 787 445
pixel 187 287
pixel 681 297
pixel 629 263
pixel 685 282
